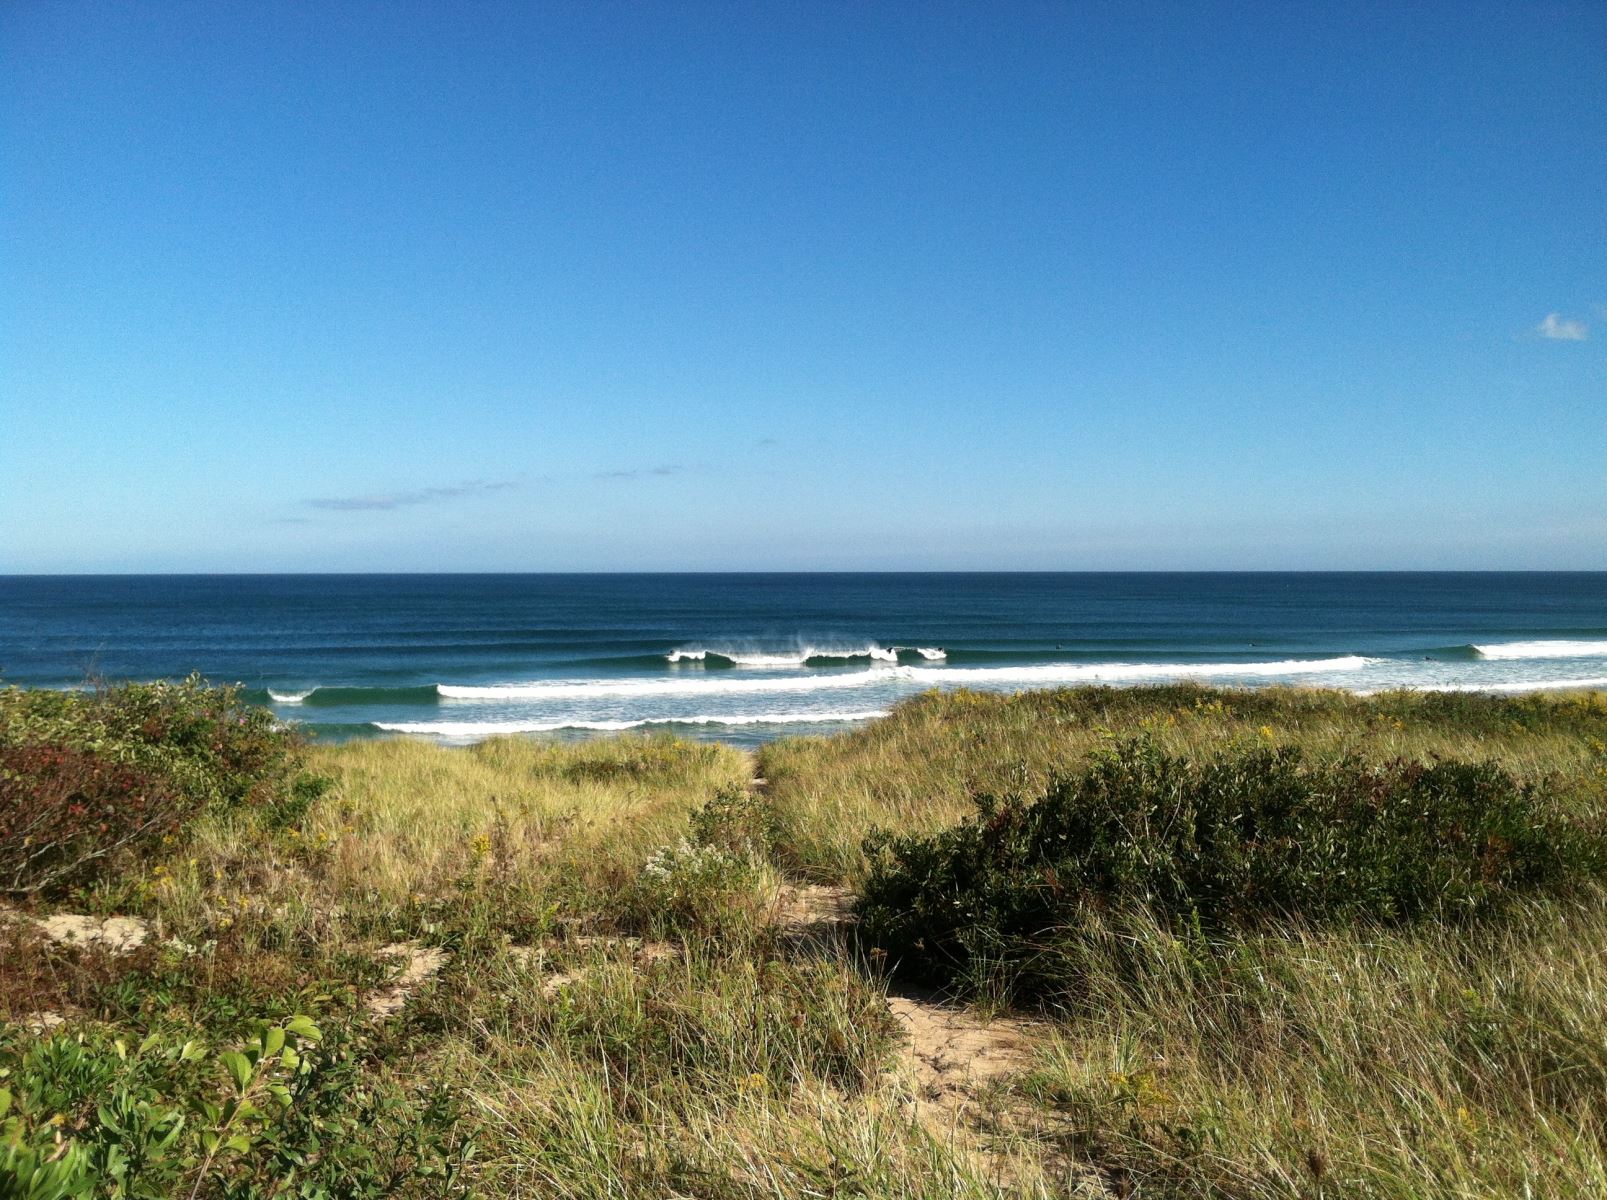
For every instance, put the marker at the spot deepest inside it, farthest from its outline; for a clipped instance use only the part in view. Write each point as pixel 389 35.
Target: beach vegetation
pixel 1249 838
pixel 1168 942
pixel 89 777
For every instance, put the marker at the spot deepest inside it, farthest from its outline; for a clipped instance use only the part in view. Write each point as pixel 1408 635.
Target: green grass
pixel 1304 1054
pixel 917 771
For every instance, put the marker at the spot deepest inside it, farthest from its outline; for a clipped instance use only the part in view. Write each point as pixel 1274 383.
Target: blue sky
pixel 786 286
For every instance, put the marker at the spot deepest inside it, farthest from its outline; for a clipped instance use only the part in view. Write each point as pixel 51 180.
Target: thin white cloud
pixel 642 472
pixel 1562 329
pixel 390 500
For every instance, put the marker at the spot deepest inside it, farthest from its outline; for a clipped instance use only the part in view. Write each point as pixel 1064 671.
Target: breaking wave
pixel 802 656
pixel 581 689
pixel 1043 675
pixel 1558 648
pixel 471 729
pixel 339 695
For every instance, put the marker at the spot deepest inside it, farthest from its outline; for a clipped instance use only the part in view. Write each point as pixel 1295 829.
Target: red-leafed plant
pixel 64 812
pixel 88 777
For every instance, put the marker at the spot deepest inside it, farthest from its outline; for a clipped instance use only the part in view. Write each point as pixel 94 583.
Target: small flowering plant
pixel 688 884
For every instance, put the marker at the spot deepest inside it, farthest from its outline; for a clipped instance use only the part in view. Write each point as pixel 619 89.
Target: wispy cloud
pixel 1562 329
pixel 389 500
pixel 642 472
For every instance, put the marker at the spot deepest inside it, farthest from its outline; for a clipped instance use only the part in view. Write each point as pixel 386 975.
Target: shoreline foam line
pixel 1555 648
pixel 490 728
pixel 1517 685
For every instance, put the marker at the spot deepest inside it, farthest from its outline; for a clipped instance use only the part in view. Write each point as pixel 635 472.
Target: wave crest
pixel 800 657
pixel 1550 648
pixel 1503 686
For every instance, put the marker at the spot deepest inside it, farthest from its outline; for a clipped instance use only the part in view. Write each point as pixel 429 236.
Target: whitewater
pixel 744 658
pixel 747 702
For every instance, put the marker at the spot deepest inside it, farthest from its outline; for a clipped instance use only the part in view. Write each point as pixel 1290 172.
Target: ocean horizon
pixel 744 657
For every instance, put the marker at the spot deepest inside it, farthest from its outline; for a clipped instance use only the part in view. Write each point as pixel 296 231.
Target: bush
pixel 738 821
pixel 707 881
pixel 687 886
pixel 1243 840
pixel 87 777
pixel 63 812
pixel 85 1115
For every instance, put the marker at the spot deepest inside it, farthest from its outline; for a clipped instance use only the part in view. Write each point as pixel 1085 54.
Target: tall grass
pixel 918 770
pixel 1284 1058
pixel 408 816
pixel 1359 1061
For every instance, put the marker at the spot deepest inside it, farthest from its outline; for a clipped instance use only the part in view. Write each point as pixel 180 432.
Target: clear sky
pixel 598 286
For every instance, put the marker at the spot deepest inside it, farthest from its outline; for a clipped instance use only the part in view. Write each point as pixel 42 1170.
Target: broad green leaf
pixel 238 1065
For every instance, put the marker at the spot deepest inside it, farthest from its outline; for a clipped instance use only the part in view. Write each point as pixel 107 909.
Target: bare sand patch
pixel 954 1052
pixel 420 965
pixel 116 935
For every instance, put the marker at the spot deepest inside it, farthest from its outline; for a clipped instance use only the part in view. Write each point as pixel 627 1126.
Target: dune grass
pixel 619 1012
pixel 409 816
pixel 917 771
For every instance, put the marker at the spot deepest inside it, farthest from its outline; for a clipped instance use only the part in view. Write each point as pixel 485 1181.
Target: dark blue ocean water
pixel 745 657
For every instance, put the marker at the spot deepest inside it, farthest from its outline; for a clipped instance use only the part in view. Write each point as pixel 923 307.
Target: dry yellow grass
pixel 1391 1062
pixel 407 815
pixel 917 770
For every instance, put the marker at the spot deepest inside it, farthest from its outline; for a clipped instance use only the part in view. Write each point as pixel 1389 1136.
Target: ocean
pixel 744 658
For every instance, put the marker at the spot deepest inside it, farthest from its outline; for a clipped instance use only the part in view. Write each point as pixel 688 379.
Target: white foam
pixel 931 654
pixel 1053 673
pixel 289 697
pixel 581 689
pixel 1044 675
pixel 1511 685
pixel 469 729
pixel 1559 648
pixel 782 658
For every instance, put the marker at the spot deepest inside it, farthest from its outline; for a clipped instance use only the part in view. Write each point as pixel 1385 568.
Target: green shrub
pixel 707 881
pixel 687 886
pixel 285 1113
pixel 1242 840
pixel 87 777
pixel 738 821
